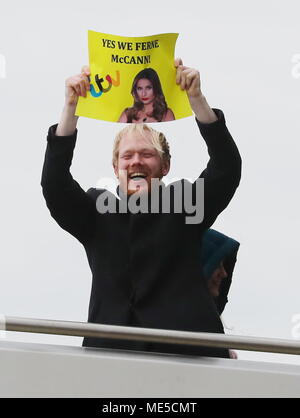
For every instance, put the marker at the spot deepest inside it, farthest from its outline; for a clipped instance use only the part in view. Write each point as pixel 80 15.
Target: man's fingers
pixel 178 65
pixel 189 77
pixel 192 78
pixel 188 81
pixel 177 62
pixel 82 88
pixel 75 84
pixel 76 88
pixel 195 85
pixel 180 69
pixel 183 82
pixel 184 78
pixel 86 81
pixel 86 70
pixel 178 75
pixel 81 85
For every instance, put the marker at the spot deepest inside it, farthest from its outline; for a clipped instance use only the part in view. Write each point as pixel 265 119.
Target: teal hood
pixel 217 247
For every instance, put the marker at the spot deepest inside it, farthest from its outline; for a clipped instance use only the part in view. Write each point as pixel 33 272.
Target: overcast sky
pixel 248 54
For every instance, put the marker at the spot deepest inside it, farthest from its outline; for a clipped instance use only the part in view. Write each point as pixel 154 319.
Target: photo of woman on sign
pixel 149 101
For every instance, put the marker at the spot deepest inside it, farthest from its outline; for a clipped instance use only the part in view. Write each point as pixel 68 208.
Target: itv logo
pixel 99 82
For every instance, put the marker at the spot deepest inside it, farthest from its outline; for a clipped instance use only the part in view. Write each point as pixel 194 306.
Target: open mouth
pixel 137 176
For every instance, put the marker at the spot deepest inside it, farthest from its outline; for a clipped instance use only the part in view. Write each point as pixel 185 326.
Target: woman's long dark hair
pixel 159 104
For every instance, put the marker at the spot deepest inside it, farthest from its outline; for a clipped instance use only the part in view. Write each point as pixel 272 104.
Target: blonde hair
pixel 157 139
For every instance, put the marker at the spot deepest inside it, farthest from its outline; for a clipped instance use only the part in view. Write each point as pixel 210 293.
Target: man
pixel 145 266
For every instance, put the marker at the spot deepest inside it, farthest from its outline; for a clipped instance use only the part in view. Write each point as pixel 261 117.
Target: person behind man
pixel 218 259
pixel 145 266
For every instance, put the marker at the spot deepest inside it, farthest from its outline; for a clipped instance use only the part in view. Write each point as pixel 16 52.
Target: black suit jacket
pixel 146 267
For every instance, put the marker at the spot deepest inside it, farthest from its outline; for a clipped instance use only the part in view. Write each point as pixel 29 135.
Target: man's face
pixel 216 279
pixel 138 163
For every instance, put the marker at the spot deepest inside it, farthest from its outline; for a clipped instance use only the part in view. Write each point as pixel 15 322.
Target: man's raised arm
pixel 76 86
pixel 72 208
pixel 223 172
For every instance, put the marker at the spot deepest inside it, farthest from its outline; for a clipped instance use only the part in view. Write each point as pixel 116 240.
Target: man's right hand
pixel 77 85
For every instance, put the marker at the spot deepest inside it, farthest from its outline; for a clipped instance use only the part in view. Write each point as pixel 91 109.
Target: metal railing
pixel 82 329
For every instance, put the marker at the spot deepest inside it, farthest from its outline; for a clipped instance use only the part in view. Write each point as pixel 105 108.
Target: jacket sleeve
pixel 72 208
pixel 223 172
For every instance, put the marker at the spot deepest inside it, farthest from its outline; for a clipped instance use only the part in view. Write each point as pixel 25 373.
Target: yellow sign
pixel 133 80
